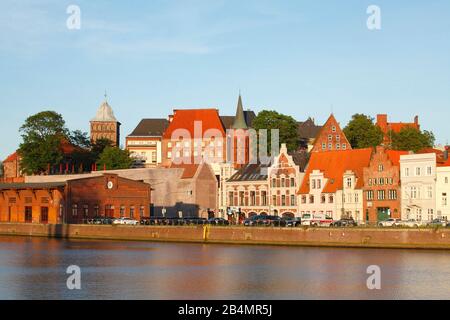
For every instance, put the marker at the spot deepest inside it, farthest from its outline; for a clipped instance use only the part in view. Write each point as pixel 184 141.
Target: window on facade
pixel 418 171
pixel 446 180
pixel 303 199
pixel 338 138
pixel 349 182
pixel 330 146
pixel 230 199
pixel 392 194
pixel 370 181
pixel 252 198
pixel 344 146
pixel 430 192
pixel 369 195
pixel 141 211
pixel 406 172
pixel 444 199
pixel 381 181
pixel 311 199
pixel 264 198
pixel 324 146
pixel 169 155
pixel 274 182
pixel 241 198
pixel 282 182
pixel 323 199
pixel 122 211
pixel 85 210
pixel 356 198
pixel 430 214
pixel 274 200
pixel 169 144
pixel 313 183
pixel 292 200
pixel 331 198
pixel 330 138
pixel 96 211
pixel 283 200
pixel 380 168
pixel 338 146
pixel 28 214
pixel 292 182
pixel 381 195
pixel 319 184
pixel 74 210
pixel 429 170
pixel 333 128
pixel 44 200
pixel 153 157
pixel 132 212
pixel 413 193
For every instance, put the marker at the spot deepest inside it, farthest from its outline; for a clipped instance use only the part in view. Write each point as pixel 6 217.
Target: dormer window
pixel 349 182
pixel 380 168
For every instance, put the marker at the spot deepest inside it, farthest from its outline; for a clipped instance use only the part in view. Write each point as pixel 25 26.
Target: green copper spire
pixel 239 120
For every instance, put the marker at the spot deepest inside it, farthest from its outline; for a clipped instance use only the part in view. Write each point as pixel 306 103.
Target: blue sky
pixel 297 57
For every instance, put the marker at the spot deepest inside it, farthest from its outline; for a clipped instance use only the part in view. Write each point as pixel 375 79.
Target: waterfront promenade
pixel 360 237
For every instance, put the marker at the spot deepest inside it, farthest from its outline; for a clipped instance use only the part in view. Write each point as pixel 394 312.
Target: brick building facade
pixel 331 137
pixel 73 201
pixel 105 125
pixel 386 126
pixel 382 190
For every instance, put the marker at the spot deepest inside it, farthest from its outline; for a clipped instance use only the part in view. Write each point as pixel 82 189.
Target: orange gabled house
pixel 331 137
pixel 386 127
pixel 333 184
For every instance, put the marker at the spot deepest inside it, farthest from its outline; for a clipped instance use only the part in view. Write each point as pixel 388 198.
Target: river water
pixel 35 268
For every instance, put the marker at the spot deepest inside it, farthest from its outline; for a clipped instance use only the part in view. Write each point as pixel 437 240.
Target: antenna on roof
pixel 106 96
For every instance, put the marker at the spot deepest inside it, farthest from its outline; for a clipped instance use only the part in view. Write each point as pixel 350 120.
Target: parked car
pixel 218 221
pixel 125 221
pixel 292 222
pixel 253 220
pixel 391 222
pixel 437 223
pixel 344 223
pixel 145 221
pixel 194 220
pixel 412 223
pixel 316 220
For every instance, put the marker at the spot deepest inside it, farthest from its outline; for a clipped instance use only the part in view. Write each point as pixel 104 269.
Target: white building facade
pixel 418 185
pixel 443 192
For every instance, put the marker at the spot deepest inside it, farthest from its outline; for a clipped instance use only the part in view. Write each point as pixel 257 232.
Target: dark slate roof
pixel 228 121
pixel 300 158
pixel 308 129
pixel 150 128
pixel 41 185
pixel 251 172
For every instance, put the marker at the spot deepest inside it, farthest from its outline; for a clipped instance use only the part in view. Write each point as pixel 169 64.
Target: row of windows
pixel 381 195
pixel 415 192
pixel 252 201
pixel 381 181
pixel 419 171
pixel 109 210
pixel 187 153
pixel 338 146
pixel 323 199
pixel 103 127
pixel 27 200
pixel 288 182
pixel 187 143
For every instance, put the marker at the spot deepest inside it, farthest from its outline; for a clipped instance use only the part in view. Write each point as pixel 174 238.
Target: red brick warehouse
pixel 73 201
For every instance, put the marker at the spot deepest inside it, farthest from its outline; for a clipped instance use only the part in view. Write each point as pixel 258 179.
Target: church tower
pixel 240 137
pixel 105 125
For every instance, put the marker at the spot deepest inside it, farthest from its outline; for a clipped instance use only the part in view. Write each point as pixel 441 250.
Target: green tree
pixel 80 139
pixel 288 131
pixel 114 158
pixel 98 146
pixel 42 134
pixel 411 139
pixel 361 132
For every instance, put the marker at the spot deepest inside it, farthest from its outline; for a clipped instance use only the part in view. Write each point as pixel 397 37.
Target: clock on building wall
pixel 110 184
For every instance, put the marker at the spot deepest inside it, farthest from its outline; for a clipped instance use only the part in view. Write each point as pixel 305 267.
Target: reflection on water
pixel 34 268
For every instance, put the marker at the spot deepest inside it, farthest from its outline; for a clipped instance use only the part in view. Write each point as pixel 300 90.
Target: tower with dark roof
pixel 240 139
pixel 105 125
pixel 239 119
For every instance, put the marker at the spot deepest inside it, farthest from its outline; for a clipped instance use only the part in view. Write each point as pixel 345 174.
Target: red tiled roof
pixel 11 157
pixel 184 119
pixel 334 164
pixel 398 126
pixel 444 163
pixel 394 156
pixel 189 170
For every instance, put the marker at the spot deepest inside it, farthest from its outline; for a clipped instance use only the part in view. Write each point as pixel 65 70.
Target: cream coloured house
pixel 418 178
pixel 443 192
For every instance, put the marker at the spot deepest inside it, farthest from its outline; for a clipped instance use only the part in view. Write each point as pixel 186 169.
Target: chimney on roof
pixel 382 120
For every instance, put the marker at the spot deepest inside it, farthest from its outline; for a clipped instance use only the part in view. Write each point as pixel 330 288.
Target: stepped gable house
pixel 382 189
pixel 331 137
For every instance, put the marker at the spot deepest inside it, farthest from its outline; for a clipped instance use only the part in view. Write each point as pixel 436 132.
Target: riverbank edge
pixel 438 239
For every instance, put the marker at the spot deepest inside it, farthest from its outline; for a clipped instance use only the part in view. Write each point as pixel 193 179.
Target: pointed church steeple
pixel 239 120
